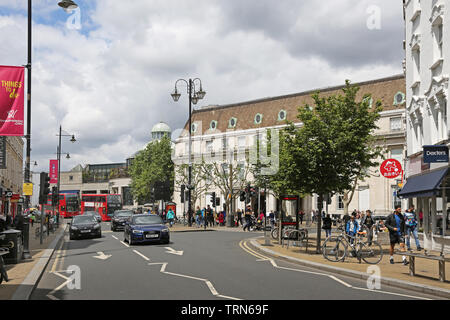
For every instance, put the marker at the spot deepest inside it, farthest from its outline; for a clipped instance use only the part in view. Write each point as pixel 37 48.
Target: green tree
pixel 151 165
pixel 330 151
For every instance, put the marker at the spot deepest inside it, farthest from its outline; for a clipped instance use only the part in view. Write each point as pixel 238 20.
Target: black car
pixel 85 227
pixel 94 214
pixel 145 228
pixel 119 219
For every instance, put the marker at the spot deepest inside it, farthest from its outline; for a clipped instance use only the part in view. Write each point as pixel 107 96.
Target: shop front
pixel 429 193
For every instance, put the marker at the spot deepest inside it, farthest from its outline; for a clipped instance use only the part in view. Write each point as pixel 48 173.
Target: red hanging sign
pixel 12 101
pixel 391 169
pixel 53 172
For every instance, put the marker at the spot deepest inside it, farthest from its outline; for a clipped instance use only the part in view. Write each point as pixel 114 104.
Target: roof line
pixel 333 88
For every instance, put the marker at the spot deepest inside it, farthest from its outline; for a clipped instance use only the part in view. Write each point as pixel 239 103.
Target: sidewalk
pixel 427 271
pixel 30 269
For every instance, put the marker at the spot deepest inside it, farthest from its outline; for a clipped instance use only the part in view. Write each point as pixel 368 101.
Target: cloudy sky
pixel 105 72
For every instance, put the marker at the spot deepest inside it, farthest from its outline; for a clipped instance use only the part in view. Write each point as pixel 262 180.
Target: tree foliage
pixel 151 165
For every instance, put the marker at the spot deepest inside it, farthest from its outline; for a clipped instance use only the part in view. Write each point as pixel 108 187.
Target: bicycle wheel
pixel 371 253
pixel 274 233
pixel 334 249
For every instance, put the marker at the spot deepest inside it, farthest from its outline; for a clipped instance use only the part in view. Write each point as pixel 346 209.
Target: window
pixel 258 118
pixel 194 128
pixel 395 199
pixel 397 154
pixel 209 146
pixel 241 142
pixel 282 115
pixel 70 178
pixel 213 125
pixel 399 98
pixel 232 123
pixel 340 202
pixel 396 124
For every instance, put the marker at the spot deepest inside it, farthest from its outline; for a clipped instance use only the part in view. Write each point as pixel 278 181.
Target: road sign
pixel 27 189
pixel 391 169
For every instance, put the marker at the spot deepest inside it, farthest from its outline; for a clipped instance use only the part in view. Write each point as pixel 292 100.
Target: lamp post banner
pixel 12 100
pixel 53 172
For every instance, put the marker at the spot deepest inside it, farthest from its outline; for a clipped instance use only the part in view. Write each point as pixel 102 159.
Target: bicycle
pixel 335 249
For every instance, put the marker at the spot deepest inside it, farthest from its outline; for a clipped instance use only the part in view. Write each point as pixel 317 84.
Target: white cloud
pixel 110 82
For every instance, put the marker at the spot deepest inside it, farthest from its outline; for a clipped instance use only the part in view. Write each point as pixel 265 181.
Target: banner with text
pixel 53 172
pixel 12 101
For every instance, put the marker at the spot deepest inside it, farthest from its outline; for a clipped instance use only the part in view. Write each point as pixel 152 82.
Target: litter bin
pixel 12 241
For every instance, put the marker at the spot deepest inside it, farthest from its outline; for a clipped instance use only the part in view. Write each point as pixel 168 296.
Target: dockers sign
pixel 435 154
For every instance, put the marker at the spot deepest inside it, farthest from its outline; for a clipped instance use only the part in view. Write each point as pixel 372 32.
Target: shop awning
pixel 426 185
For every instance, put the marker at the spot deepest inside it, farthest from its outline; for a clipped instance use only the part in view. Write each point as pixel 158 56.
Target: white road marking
pixel 138 253
pixel 274 264
pixel 173 251
pixel 115 237
pixel 102 256
pixel 124 244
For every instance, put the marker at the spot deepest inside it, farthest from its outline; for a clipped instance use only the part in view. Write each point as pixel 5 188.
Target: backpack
pixel 410 219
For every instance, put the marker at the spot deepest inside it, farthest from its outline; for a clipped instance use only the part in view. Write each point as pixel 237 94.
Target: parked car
pixel 146 228
pixel 120 218
pixel 84 226
pixel 94 214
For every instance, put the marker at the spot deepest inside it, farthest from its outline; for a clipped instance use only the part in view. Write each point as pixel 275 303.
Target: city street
pixel 194 266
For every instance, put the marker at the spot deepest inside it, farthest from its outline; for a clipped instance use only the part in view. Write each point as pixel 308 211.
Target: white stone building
pixel 220 128
pixel 427 58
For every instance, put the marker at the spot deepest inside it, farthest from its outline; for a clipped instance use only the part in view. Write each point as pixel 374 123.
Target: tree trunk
pixel 319 225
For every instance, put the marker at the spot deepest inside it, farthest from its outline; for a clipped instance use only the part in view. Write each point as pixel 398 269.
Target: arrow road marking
pixel 173 251
pixel 140 254
pixel 102 256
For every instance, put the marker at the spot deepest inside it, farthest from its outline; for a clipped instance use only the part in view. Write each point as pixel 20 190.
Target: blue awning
pixel 425 185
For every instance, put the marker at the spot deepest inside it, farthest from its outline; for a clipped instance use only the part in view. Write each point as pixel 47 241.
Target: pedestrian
pixel 395 223
pixel 301 214
pixel 248 219
pixel 32 218
pixel 2 222
pixel 368 223
pixel 327 225
pixel 198 216
pixel 272 219
pixel 170 217
pixel 312 216
pixel 421 217
pixel 352 228
pixel 346 219
pixel 221 219
pixel 239 218
pixel 411 228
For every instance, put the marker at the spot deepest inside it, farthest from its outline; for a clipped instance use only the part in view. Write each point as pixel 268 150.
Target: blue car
pixel 146 228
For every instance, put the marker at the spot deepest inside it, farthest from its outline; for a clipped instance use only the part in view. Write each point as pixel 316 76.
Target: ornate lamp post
pixel 194 98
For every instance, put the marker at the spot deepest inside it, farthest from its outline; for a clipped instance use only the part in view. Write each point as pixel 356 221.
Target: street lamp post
pixel 73 140
pixel 194 97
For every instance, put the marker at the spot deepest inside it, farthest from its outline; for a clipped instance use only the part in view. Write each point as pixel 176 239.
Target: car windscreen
pixel 142 220
pixel 83 219
pixel 122 214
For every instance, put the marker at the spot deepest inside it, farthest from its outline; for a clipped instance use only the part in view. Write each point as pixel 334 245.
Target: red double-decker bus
pixel 104 204
pixel 69 204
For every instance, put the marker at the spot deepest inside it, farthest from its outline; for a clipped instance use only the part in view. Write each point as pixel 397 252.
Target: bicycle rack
pixel 289 237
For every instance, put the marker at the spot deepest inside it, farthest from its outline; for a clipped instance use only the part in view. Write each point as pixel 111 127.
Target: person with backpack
pixel 352 228
pixel 411 228
pixel 170 217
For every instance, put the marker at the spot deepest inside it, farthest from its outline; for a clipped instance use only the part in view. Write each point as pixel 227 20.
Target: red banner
pixel 391 169
pixel 53 172
pixel 12 101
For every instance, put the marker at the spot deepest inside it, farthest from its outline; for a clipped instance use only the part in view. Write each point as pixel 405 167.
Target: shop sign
pixel 435 154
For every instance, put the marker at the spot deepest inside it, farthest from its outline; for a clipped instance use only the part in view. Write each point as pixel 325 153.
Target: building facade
pixel 427 57
pixel 11 177
pixel 218 129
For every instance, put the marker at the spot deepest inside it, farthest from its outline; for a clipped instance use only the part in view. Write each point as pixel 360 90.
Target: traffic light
pixel 242 196
pixel 44 190
pixel 183 187
pixel 213 199
pixel 247 194
pixel 55 196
